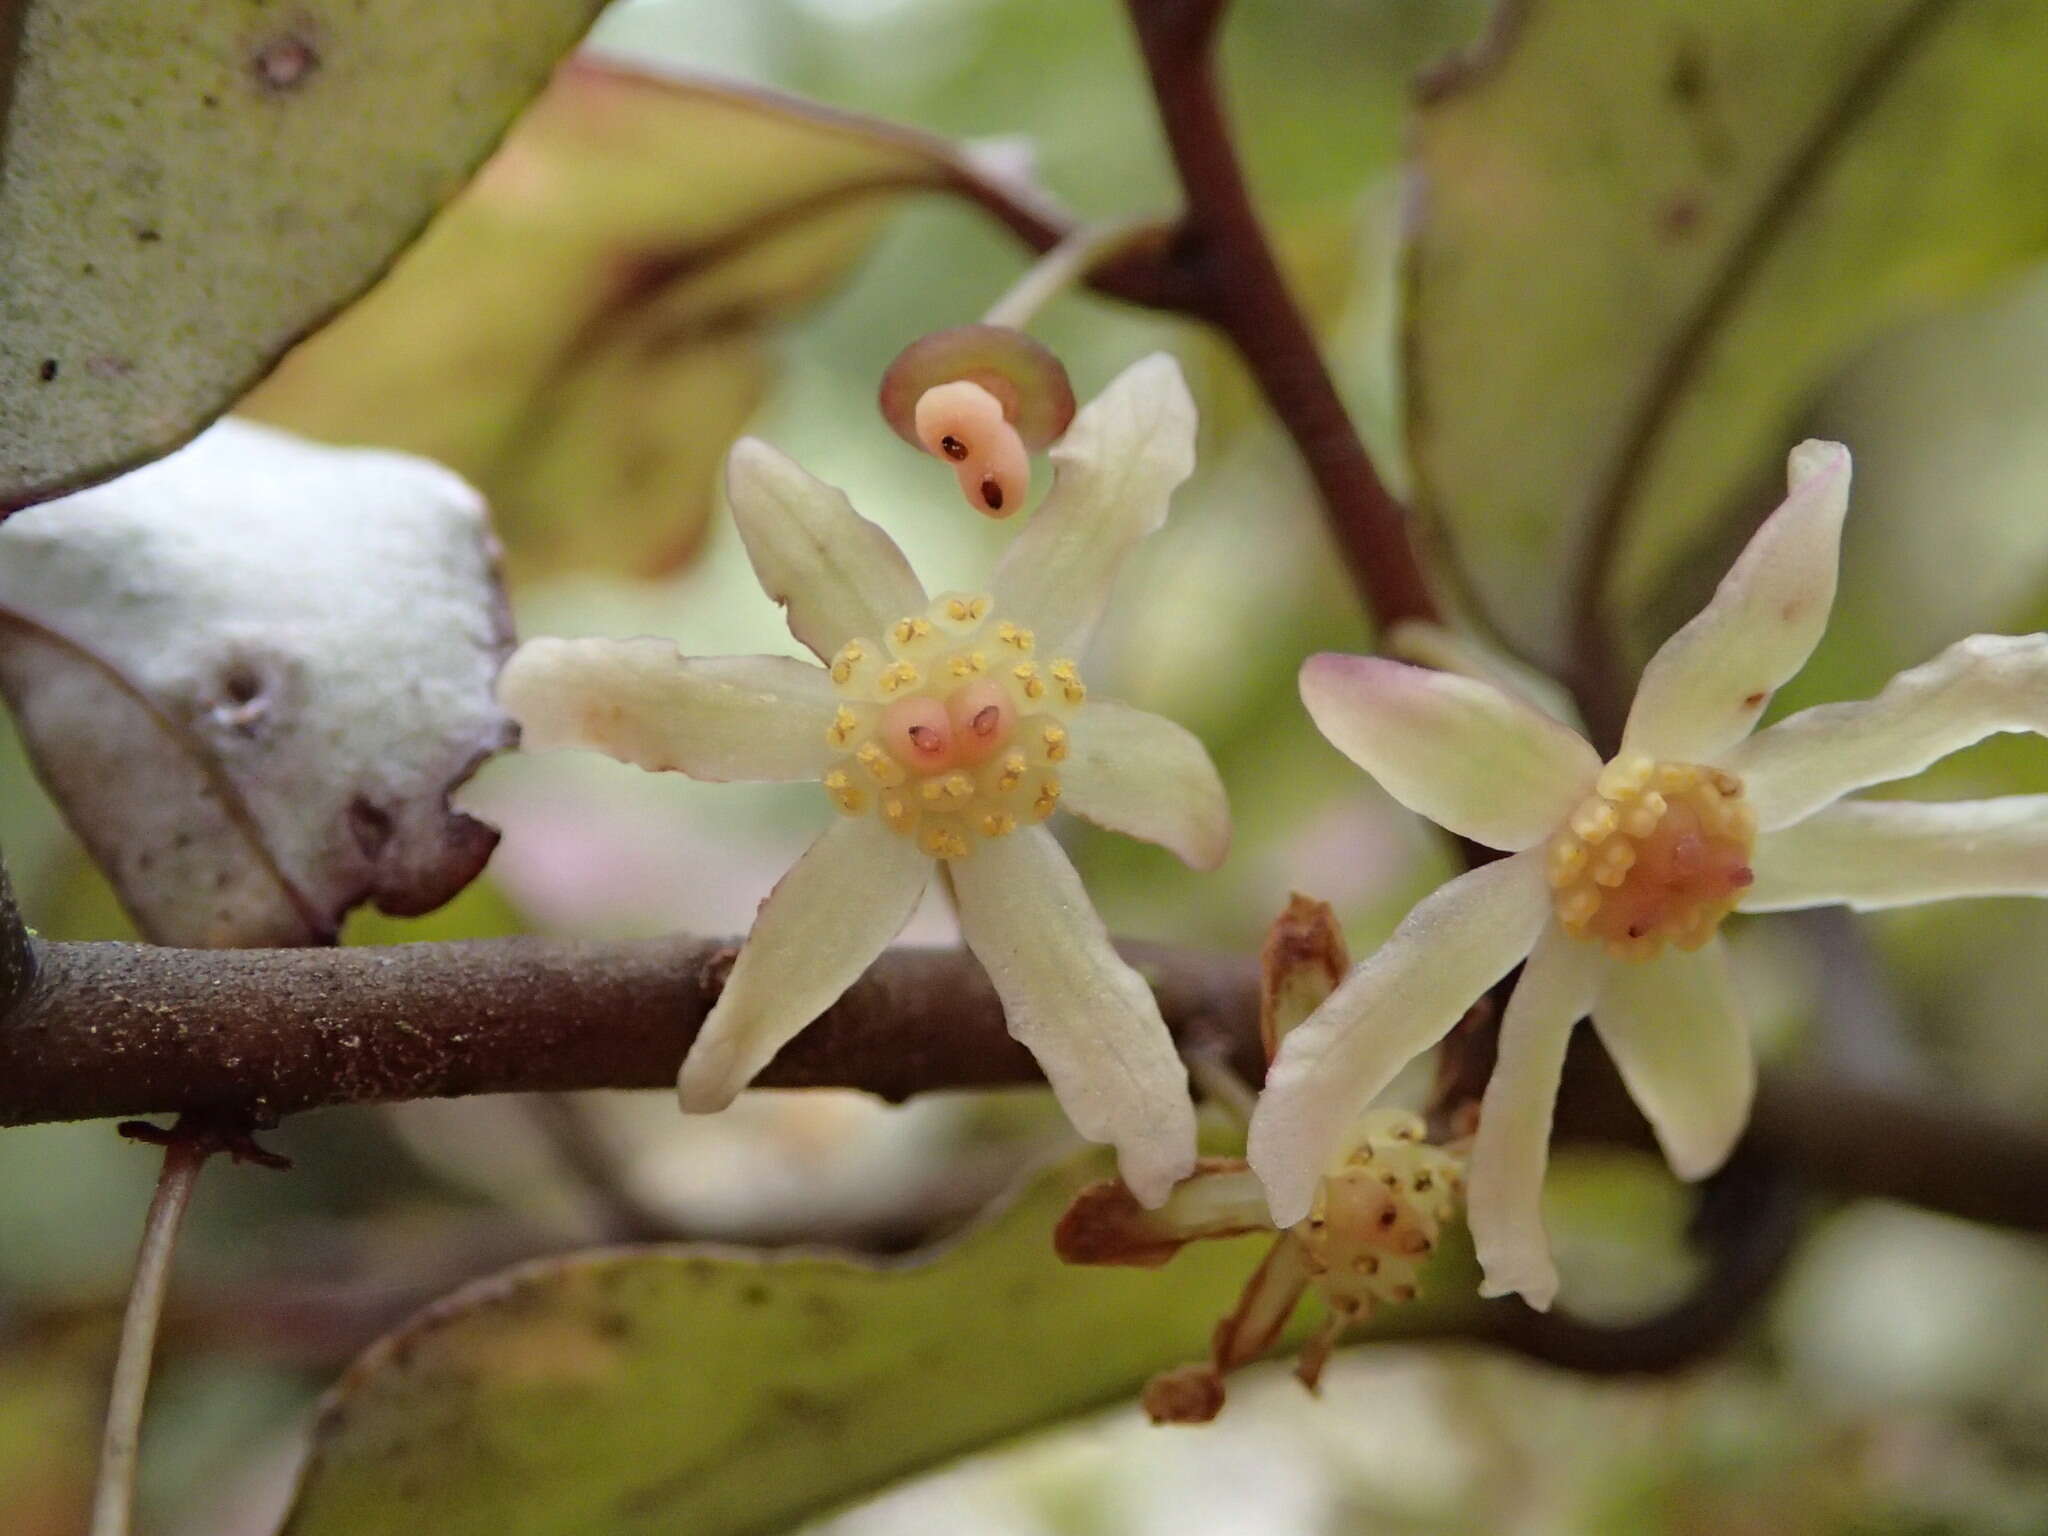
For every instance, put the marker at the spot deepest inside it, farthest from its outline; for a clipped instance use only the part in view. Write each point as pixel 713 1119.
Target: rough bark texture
pixel 17 954
pixel 125 1029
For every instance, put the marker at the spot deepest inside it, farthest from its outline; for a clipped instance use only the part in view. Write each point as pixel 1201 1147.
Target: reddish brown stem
pixel 1237 285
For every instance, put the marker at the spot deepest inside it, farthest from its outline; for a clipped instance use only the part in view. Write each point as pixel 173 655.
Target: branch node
pixel 211 1133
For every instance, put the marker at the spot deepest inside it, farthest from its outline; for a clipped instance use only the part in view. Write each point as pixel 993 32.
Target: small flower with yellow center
pixel 1620 873
pixel 1374 1222
pixel 933 744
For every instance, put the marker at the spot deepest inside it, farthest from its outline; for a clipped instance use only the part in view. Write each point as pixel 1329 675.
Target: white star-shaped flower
pixel 1620 873
pixel 942 731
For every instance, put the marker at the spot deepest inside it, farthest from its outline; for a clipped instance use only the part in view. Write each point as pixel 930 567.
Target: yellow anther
pixel 898 813
pixel 1012 773
pixel 1016 636
pixel 837 780
pixel 1069 678
pixel 998 824
pixel 1055 738
pixel 1641 819
pixel 844 723
pixel 1616 859
pixel 1625 777
pixel 898 676
pixel 1567 860
pixel 943 843
pixel 1668 863
pixel 969 664
pixel 1048 800
pixel 851 655
pixel 909 631
pixel 1029 680
pixel 1576 908
pixel 1676 778
pixel 881 767
pixel 966 610
pixel 950 789
pixel 1595 820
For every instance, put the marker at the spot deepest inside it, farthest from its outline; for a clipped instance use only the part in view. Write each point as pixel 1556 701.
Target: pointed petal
pixel 1976 688
pixel 838 574
pixel 1676 1031
pixel 1144 776
pixel 1869 854
pixel 1430 644
pixel 1087 1016
pixel 1458 941
pixel 1114 471
pixel 1703 691
pixel 1505 1200
pixel 822 925
pixel 645 703
pixel 1462 752
pixel 1105 1224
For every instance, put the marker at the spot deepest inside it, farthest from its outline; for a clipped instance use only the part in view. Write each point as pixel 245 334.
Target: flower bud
pixel 981 398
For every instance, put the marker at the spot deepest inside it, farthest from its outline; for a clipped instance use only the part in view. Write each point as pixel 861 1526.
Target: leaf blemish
pixel 284 63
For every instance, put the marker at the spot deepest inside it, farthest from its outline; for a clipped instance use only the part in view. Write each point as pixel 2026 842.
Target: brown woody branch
pixel 1222 256
pixel 126 1029
pixel 17 954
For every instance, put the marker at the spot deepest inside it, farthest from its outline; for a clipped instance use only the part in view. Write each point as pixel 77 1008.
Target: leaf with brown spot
pixel 252 673
pixel 585 330
pixel 187 189
pixel 753 1391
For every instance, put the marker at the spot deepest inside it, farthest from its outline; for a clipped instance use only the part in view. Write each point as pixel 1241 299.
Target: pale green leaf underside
pixel 714 1392
pixel 186 189
pixel 1650 232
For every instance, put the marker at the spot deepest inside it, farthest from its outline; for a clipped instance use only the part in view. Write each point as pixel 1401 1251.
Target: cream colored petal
pixel 645 703
pixel 1676 1031
pixel 840 576
pixel 1114 472
pixel 1462 752
pixel 1090 1019
pixel 1869 854
pixel 1705 689
pixel 1556 989
pixel 822 925
pixel 1458 941
pixel 1144 776
pixel 1429 644
pixel 1104 1224
pixel 1976 688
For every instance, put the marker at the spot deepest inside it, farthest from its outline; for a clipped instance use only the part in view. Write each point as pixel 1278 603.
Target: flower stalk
pixel 113 1507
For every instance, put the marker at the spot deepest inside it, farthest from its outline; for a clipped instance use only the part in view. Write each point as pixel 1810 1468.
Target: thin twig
pixel 579 1146
pixel 1240 288
pixel 113 1508
pixel 1057 270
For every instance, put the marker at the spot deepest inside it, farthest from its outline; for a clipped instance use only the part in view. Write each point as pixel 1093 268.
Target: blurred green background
pixel 1898 1383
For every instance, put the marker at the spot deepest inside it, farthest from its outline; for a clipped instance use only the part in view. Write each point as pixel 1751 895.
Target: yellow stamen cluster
pixel 952 654
pixel 1657 854
pixel 1377 1218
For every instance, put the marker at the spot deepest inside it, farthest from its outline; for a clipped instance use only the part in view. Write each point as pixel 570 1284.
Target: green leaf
pixel 1650 231
pixel 585 331
pixel 187 189
pixel 717 1392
